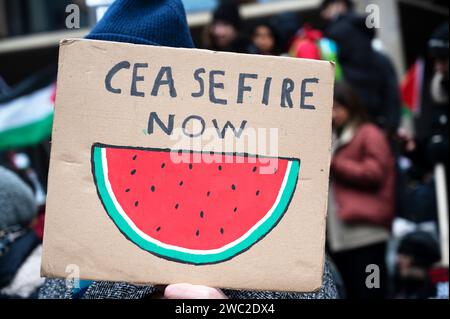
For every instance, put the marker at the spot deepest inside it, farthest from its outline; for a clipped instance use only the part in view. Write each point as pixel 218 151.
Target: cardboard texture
pixel 107 93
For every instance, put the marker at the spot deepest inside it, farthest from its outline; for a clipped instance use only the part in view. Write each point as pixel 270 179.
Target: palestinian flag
pixel 411 87
pixel 27 120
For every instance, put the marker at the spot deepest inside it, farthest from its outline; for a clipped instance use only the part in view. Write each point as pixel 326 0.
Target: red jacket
pixel 363 172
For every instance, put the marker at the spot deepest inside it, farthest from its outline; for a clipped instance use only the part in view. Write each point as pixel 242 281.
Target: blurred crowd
pixel 382 207
pixel 382 198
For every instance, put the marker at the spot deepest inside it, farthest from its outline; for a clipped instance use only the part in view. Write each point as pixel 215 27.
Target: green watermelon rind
pixel 185 257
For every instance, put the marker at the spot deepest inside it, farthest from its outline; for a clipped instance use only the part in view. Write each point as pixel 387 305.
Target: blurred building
pixel 30 30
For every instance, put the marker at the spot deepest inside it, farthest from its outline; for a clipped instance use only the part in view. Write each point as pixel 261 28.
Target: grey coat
pixel 17 204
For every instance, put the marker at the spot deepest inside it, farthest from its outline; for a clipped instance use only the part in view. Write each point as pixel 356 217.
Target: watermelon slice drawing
pixel 192 211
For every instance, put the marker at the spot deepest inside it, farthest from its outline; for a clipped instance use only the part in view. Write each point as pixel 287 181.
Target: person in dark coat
pixel 417 253
pixel 369 72
pixel 225 31
pixel 437 128
pixel 430 145
pixel 265 40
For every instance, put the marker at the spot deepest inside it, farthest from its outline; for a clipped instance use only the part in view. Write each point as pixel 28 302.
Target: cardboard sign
pixel 181 165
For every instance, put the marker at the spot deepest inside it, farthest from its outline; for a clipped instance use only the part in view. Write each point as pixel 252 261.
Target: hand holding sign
pixel 188 291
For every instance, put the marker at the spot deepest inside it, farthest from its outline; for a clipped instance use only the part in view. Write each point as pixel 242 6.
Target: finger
pixel 188 291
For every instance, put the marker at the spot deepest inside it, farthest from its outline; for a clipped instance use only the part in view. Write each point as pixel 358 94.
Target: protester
pixel 287 25
pixel 309 43
pixel 417 253
pixel 361 204
pixel 438 130
pixel 224 33
pixel 438 48
pixel 150 20
pixel 427 97
pixel 265 40
pixel 430 145
pixel 369 72
pixel 332 9
pixel 17 201
pixel 306 44
pixel 17 239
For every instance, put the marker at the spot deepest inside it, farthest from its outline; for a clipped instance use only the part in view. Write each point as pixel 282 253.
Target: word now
pixel 210 82
pixel 196 120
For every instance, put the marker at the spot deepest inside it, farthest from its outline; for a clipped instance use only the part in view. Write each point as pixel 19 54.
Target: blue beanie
pixel 152 22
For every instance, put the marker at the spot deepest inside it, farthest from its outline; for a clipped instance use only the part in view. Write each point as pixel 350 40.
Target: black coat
pixel 369 72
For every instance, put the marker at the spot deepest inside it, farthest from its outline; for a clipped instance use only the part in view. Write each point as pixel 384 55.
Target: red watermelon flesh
pixel 196 202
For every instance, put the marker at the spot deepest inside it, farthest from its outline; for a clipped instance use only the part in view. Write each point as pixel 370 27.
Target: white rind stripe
pixel 181 249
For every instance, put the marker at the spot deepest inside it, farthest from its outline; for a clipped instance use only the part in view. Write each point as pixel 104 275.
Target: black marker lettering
pixel 136 78
pixel 304 94
pixel 265 99
pixel 229 125
pixel 112 72
pixel 242 87
pixel 193 117
pixel 287 88
pixel 200 81
pixel 166 128
pixel 213 85
pixel 165 70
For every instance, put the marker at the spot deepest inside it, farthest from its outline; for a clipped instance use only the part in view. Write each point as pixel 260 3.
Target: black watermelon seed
pixel 197 233
pixel 233 187
pixel 158 229
pixel 180 152
pixel 208 193
pixel 221 231
pixel 177 205
pixel 257 193
pixel 202 214
pixel 163 165
pixel 133 172
pixel 211 153
pixel 190 166
pixel 220 167
pixel 181 183
pixel 152 188
pixel 127 190
pixel 235 209
pixel 134 157
pixel 136 203
pixel 254 169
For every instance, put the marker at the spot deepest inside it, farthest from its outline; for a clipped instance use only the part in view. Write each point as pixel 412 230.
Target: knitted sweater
pixel 58 289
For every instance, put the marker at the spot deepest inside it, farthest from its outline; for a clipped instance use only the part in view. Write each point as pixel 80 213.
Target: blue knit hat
pixel 153 22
